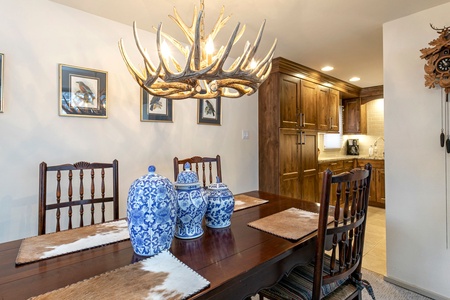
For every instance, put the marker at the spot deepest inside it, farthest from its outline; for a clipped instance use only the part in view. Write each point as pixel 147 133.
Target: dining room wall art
pixel 82 92
pixel 155 109
pixel 1 82
pixel 210 111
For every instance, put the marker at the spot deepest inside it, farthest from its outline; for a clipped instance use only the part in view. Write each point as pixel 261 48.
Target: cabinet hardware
pixel 299 138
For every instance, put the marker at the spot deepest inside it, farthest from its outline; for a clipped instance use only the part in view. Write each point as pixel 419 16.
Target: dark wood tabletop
pixel 237 261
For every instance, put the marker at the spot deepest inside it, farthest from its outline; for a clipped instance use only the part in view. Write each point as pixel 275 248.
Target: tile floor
pixel 374 257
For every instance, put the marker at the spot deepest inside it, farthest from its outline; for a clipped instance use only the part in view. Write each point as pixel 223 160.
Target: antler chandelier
pixel 204 75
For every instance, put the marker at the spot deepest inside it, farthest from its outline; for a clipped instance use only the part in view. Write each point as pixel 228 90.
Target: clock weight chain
pixel 447 123
pixel 442 136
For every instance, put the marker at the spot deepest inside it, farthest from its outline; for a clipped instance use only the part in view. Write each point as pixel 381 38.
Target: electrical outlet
pixel 245 135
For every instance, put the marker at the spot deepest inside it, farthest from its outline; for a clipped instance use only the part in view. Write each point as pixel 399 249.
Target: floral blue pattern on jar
pixel 220 205
pixel 151 213
pixel 192 204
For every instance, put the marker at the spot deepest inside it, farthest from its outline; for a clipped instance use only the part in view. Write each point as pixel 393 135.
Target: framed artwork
pixel 82 92
pixel 1 81
pixel 155 109
pixel 209 111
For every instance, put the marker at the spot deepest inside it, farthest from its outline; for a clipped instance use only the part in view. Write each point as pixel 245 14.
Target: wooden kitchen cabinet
pixel 354 116
pixel 289 96
pixel 287 152
pixel 288 124
pixel 377 183
pixel 327 109
pixel 308 105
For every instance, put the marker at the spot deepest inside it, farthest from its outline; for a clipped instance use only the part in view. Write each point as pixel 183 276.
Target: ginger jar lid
pixel 187 177
pixel 218 185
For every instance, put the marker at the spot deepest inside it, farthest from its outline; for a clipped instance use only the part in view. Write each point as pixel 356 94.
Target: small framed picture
pixel 209 111
pixel 1 82
pixel 155 109
pixel 82 92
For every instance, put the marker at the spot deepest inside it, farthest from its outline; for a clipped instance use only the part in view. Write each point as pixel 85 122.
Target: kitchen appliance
pixel 352 147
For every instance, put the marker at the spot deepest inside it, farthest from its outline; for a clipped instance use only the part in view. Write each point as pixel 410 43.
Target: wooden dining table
pixel 237 261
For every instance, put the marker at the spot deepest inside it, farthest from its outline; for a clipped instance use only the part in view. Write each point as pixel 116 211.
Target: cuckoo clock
pixel 437 68
pixel 437 72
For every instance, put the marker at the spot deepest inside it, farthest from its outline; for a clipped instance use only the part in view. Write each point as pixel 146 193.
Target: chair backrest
pixel 204 165
pixel 69 197
pixel 343 239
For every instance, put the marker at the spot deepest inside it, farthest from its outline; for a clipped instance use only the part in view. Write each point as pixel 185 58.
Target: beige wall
pixel 417 216
pixel 38 35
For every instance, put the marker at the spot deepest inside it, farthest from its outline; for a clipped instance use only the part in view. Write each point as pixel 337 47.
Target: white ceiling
pixel 346 34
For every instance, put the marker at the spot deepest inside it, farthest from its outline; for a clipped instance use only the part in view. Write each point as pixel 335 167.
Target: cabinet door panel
pixel 323 122
pixel 289 163
pixel 380 186
pixel 309 185
pixel 289 101
pixel 334 111
pixel 308 105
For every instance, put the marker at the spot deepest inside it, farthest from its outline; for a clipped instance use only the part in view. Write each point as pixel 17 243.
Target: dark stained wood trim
pixel 283 65
pixel 371 93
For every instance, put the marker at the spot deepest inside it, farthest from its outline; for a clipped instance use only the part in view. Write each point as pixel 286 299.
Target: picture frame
pixel 155 109
pixel 82 92
pixel 210 111
pixel 2 58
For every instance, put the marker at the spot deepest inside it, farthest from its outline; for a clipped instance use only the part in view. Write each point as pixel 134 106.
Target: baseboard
pixel 415 289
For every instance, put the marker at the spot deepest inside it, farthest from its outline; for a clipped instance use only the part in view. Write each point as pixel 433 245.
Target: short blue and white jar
pixel 151 213
pixel 220 205
pixel 192 202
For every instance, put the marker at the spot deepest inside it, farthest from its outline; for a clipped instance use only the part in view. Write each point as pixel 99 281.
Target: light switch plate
pixel 245 135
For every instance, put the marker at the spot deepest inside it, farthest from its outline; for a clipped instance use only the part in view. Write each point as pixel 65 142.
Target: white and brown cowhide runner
pixel 292 223
pixel 244 201
pixel 159 277
pixel 68 241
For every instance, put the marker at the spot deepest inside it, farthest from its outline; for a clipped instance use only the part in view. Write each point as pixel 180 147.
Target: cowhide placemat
pixel 244 201
pixel 68 241
pixel 162 276
pixel 292 223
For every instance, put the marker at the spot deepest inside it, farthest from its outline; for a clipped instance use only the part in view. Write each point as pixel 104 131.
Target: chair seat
pixel 299 284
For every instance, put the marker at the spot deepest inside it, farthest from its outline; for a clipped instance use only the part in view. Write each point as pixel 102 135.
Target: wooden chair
pixel 335 272
pixel 205 164
pixel 66 180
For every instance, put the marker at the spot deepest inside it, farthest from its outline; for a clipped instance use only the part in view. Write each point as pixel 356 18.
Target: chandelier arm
pixel 174 42
pixel 141 50
pixel 219 23
pixel 197 43
pixel 267 59
pixel 242 59
pixel 187 30
pixel 163 62
pixel 133 71
pixel 255 47
pixel 221 61
pixel 239 35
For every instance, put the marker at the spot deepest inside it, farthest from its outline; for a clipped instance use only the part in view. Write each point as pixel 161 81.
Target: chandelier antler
pixel 204 75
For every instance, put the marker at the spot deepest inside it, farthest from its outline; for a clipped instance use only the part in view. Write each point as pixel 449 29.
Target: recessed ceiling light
pixel 355 79
pixel 327 68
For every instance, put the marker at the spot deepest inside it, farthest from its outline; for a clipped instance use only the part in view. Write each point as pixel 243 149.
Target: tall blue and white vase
pixel 192 202
pixel 151 213
pixel 220 205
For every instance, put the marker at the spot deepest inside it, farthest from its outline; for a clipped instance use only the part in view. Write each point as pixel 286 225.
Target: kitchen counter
pixel 343 157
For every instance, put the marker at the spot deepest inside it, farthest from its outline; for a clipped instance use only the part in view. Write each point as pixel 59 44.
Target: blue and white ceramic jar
pixel 192 202
pixel 151 213
pixel 220 205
